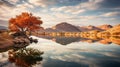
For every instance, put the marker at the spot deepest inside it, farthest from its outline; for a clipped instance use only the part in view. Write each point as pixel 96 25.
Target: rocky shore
pixel 16 41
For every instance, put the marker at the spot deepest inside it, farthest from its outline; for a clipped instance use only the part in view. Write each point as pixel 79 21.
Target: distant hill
pixel 3 28
pixel 99 28
pixel 50 30
pixel 62 27
pixel 89 28
pixel 105 27
pixel 66 27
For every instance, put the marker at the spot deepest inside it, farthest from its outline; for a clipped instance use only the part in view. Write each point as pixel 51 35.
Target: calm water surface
pixel 71 52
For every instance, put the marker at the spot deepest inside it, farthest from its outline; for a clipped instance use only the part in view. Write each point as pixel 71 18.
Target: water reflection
pixel 91 39
pixel 74 52
pixel 78 54
pixel 24 57
pixel 65 41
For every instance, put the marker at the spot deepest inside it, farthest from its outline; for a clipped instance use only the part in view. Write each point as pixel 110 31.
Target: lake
pixel 69 52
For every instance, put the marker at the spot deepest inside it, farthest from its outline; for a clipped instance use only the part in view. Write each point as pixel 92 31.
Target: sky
pixel 52 12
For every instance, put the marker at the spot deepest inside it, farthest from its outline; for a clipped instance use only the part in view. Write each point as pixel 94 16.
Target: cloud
pixel 88 17
pixel 79 11
pixel 59 9
pixel 13 1
pixel 6 12
pixel 79 8
pixel 100 4
pixel 111 14
pixel 25 5
pixel 62 15
pixel 91 4
pixel 110 4
pixel 6 3
pixel 69 9
pixel 42 3
pixel 37 3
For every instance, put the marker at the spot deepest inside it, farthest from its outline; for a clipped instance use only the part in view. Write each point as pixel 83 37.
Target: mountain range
pixel 66 27
pixel 3 28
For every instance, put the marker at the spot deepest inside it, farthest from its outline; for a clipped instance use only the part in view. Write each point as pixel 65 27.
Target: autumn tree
pixel 25 22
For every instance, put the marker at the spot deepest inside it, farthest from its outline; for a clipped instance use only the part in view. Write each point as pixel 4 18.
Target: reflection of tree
pixel 25 57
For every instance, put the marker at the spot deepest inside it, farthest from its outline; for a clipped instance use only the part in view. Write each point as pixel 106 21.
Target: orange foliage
pixel 25 21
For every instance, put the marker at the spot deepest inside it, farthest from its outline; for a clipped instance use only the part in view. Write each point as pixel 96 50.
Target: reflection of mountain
pixel 115 30
pixel 115 39
pixel 63 40
pixel 67 40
